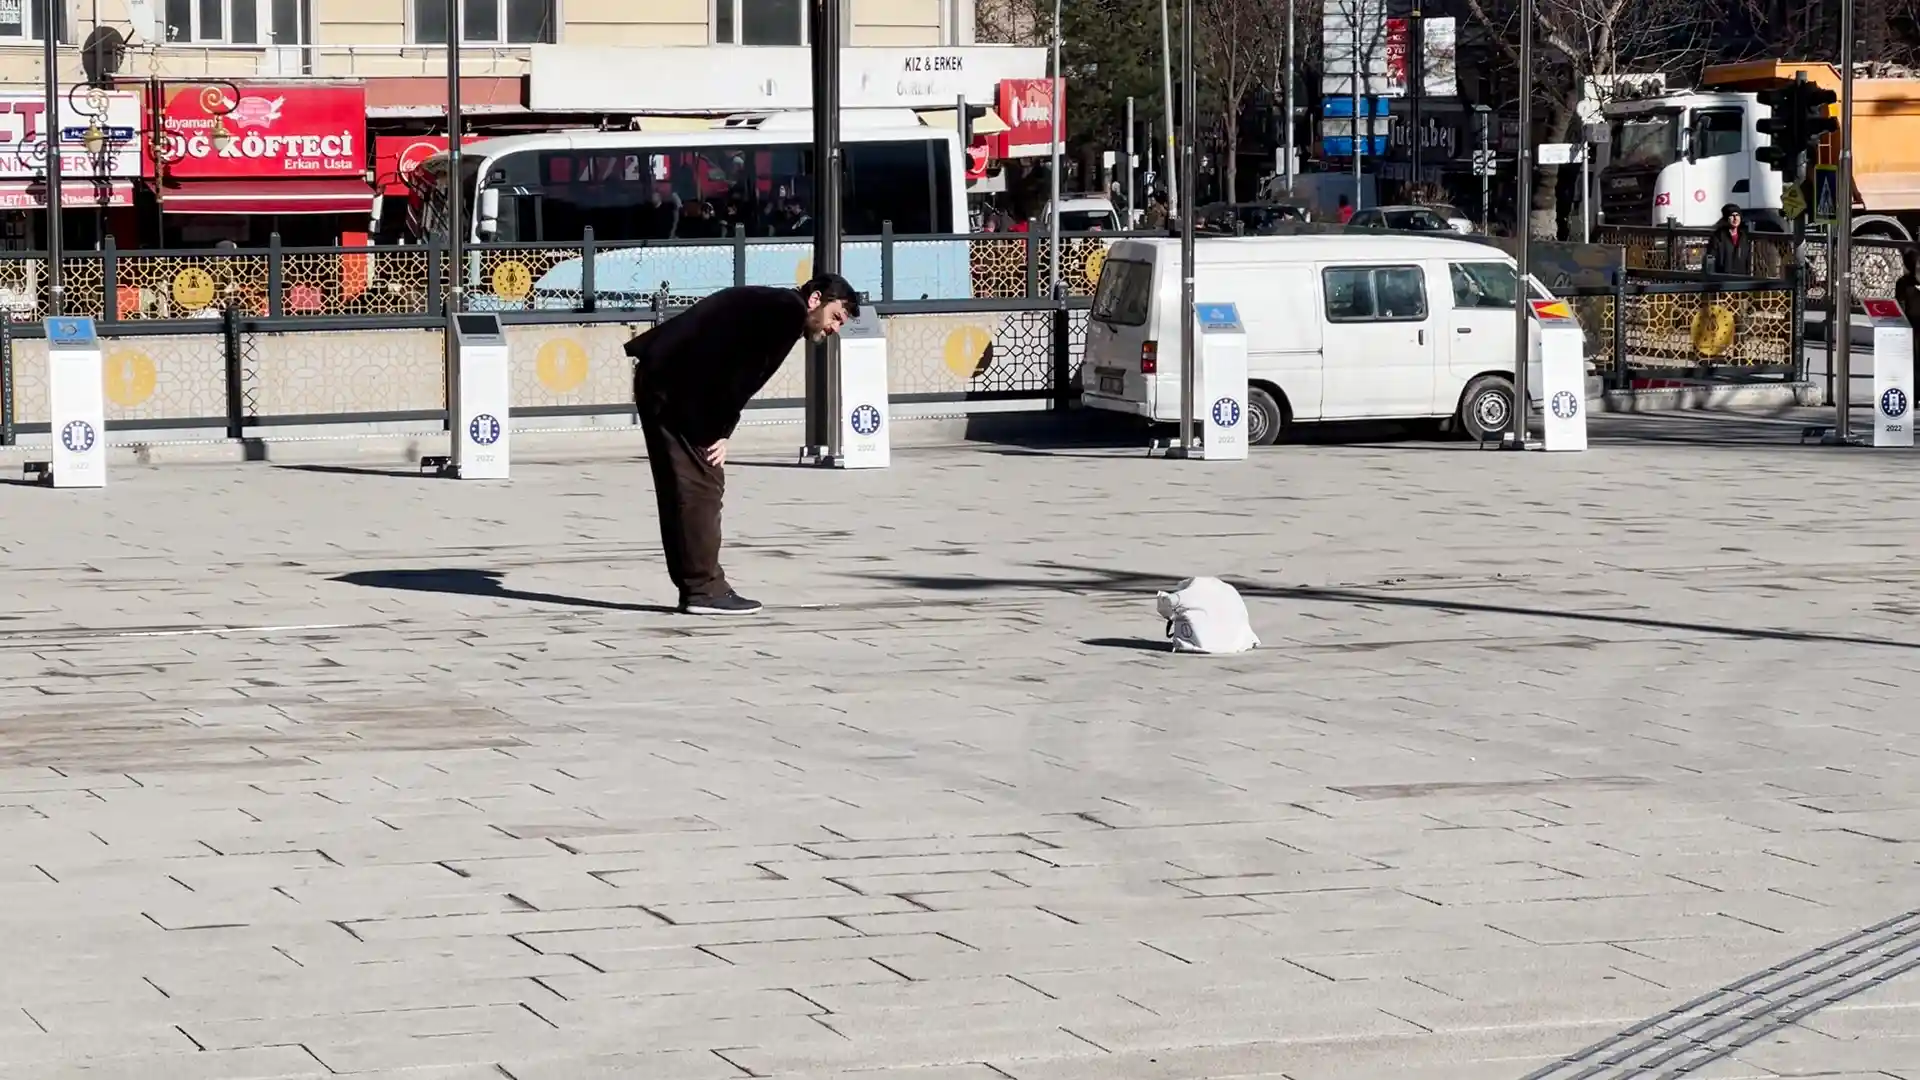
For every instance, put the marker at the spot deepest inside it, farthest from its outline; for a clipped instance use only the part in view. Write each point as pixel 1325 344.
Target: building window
pixel 235 22
pixel 488 22
pixel 768 22
pixel 20 20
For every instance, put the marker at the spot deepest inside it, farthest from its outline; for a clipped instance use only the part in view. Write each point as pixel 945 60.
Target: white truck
pixel 1680 157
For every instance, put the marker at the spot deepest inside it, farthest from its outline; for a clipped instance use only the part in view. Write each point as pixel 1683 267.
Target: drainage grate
pixel 1739 1014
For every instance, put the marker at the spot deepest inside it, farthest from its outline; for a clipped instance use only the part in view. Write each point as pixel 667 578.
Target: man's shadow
pixel 467 582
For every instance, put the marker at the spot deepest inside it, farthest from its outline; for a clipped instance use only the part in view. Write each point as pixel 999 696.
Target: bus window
pixel 889 181
pixel 649 191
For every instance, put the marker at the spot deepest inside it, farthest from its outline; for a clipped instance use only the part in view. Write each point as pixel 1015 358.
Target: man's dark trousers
pixel 690 492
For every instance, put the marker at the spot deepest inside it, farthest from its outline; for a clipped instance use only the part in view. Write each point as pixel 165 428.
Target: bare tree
pixel 1583 45
pixel 1011 22
pixel 1238 43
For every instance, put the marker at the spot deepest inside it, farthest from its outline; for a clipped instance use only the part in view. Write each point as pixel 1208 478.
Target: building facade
pixel 188 122
pixel 368 39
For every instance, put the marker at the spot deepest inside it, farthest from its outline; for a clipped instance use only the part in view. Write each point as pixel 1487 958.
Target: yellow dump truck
pixel 1680 157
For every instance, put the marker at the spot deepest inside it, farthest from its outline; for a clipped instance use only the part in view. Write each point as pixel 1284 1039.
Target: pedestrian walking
pixel 1157 216
pixel 692 377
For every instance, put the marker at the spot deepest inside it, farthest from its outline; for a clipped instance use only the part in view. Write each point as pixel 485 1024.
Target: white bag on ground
pixel 1206 615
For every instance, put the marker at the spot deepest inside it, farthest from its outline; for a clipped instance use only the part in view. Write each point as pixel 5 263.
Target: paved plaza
pixel 308 771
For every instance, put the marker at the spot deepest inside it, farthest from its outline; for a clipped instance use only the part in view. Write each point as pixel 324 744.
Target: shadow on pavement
pixel 465 582
pixel 1047 434
pixel 1136 644
pixel 361 470
pixel 1082 580
pixel 1707 429
pixel 1100 434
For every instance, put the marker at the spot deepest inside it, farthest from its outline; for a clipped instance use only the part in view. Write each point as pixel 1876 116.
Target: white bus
pixel 663 206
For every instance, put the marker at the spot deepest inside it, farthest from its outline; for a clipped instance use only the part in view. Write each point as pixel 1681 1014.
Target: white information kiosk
pixel 1559 374
pixel 866 417
pixel 479 399
pixel 77 401
pixel 1221 399
pixel 1892 374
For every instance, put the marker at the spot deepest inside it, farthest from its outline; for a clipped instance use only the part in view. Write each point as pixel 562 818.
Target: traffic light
pixel 1813 118
pixel 1785 143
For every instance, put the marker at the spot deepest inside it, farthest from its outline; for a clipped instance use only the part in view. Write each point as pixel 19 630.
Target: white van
pixel 1339 327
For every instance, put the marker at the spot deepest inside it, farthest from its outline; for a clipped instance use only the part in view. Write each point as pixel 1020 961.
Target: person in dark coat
pixel 1907 291
pixel 1730 250
pixel 692 376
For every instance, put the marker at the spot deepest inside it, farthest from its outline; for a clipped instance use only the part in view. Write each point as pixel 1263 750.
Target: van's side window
pixel 1375 293
pixel 1482 285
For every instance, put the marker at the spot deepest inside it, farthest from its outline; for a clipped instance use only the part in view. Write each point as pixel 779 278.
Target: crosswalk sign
pixel 1826 194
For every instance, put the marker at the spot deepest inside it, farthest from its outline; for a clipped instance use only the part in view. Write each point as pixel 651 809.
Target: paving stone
pixel 1536 747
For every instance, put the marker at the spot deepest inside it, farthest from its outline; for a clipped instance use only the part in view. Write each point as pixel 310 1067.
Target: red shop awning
pixel 74 195
pixel 318 195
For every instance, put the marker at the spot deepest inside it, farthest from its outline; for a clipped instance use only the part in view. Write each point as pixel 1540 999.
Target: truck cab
pixel 1680 157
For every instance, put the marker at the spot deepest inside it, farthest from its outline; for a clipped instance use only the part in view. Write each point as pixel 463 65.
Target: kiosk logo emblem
pixel 1893 403
pixel 1565 405
pixel 77 436
pixel 1226 412
pixel 866 420
pixel 484 430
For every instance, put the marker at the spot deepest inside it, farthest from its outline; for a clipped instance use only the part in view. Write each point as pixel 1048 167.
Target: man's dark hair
pixel 833 287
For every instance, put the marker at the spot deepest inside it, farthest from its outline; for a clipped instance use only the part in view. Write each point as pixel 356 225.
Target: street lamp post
pixel 1522 234
pixel 1840 272
pixel 1054 96
pixel 1189 130
pixel 1289 97
pixel 50 120
pixel 1353 88
pixel 822 379
pixel 456 225
pixel 1166 79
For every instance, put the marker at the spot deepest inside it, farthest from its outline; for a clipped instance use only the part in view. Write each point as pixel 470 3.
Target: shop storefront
pixel 1022 153
pixel 99 164
pixel 240 163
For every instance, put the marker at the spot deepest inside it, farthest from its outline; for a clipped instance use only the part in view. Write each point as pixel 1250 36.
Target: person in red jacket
pixel 692 377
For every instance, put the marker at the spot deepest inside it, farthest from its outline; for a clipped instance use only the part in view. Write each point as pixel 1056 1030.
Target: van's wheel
pixel 1266 422
pixel 1486 409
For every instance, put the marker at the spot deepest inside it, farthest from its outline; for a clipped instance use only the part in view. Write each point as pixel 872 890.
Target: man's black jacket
pixel 1727 254
pixel 698 370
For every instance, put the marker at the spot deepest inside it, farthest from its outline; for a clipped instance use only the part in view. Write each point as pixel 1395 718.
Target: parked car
pixel 1407 219
pixel 1461 221
pixel 1339 327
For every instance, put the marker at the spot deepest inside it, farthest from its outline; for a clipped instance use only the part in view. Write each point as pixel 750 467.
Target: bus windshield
pixel 649 191
pixel 427 196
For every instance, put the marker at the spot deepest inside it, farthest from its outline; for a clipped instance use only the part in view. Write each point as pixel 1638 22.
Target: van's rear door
pixel 1119 328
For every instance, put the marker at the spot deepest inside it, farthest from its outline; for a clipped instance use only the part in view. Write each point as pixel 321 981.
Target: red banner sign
pixel 265 130
pixel 395 156
pixel 1397 30
pixel 1027 107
